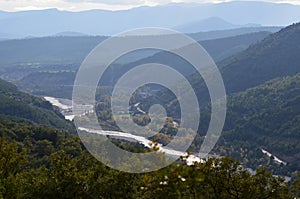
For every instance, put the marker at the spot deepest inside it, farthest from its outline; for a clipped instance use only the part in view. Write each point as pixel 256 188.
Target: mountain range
pixel 180 16
pixel 52 62
pixel 260 71
pixel 210 24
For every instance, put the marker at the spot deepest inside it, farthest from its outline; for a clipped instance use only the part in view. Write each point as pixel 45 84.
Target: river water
pixel 65 107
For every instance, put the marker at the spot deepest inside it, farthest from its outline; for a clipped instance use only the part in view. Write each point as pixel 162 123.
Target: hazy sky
pixel 77 5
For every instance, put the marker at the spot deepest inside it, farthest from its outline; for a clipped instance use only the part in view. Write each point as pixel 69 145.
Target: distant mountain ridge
pixel 75 48
pixel 210 24
pixel 102 22
pixel 69 34
pixel 218 34
pixel 57 79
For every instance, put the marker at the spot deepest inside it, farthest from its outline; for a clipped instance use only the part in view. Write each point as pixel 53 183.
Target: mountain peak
pixel 208 24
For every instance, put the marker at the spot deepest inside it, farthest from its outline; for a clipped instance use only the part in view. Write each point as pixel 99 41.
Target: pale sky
pixel 79 5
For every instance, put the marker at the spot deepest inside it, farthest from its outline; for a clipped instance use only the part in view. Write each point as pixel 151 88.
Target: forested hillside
pixel 40 161
pixel 20 107
pixel 262 84
pixel 275 56
pixel 265 117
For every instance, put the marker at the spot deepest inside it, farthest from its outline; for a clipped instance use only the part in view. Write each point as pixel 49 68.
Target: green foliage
pixel 295 188
pixel 217 178
pixel 265 117
pixel 12 161
pixel 41 162
pixel 21 107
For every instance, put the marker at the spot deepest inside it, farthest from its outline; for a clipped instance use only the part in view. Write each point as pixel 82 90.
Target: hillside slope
pixel 21 107
pixel 265 117
pixel 263 87
pixel 275 56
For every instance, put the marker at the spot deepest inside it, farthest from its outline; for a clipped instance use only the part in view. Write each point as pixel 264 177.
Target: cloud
pixel 72 5
pixel 78 5
pixel 113 2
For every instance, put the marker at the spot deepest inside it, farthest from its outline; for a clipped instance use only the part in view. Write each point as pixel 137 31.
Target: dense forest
pixel 21 107
pixel 41 159
pixel 265 117
pixel 42 162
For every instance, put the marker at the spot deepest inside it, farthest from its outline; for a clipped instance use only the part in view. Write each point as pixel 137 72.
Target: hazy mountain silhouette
pixel 45 70
pixel 209 24
pixel 102 22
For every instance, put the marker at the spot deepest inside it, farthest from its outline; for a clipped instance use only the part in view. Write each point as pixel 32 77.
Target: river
pixel 65 107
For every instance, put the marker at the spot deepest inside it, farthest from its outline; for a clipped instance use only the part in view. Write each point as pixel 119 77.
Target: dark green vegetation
pixel 45 163
pixel 38 160
pixel 263 84
pixel 276 56
pixel 20 107
pixel 265 117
